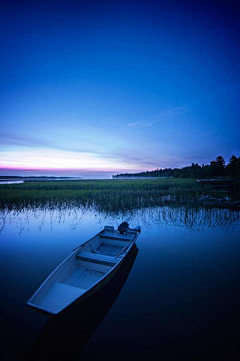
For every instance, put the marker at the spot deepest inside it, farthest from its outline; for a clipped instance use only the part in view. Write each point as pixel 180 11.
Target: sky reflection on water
pixel 181 291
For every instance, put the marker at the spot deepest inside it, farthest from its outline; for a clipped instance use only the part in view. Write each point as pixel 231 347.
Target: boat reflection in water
pixel 65 334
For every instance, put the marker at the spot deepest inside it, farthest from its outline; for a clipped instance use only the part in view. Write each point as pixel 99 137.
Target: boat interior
pixel 88 265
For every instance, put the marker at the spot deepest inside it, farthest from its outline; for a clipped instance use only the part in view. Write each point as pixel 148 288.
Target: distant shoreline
pixel 22 179
pixel 36 177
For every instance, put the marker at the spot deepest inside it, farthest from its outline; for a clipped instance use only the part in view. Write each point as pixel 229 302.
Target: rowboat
pixel 87 269
pixel 63 336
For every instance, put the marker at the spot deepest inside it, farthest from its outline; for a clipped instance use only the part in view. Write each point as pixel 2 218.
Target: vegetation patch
pixel 113 195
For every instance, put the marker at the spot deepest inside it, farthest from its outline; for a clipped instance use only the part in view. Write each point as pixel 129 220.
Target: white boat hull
pixel 84 271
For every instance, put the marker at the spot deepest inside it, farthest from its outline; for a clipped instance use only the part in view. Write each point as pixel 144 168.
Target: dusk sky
pixel 95 88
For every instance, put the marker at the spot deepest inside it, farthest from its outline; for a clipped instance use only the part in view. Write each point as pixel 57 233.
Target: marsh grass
pixel 161 202
pixel 101 194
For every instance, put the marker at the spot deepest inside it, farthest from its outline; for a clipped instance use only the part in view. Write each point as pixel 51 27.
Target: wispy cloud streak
pixel 162 117
pixel 9 139
pixel 16 140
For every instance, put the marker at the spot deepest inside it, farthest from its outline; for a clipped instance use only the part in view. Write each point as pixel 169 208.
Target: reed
pixel 107 195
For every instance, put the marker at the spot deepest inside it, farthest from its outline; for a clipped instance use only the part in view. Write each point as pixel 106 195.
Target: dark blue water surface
pixel 177 297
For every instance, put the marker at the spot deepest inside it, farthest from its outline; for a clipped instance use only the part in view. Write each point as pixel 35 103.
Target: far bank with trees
pixel 216 169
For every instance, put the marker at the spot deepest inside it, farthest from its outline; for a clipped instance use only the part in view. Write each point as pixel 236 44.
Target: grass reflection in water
pixel 196 218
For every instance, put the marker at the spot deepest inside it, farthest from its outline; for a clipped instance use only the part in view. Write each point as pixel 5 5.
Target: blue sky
pixel 93 88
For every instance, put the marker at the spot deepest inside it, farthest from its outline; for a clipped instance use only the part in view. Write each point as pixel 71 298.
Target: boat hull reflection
pixel 64 335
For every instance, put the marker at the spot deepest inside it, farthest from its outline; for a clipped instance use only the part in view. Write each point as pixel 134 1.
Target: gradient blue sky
pixel 93 88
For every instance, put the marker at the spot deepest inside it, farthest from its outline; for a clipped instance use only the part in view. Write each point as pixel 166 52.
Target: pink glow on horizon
pixel 67 169
pixel 49 160
pixel 61 172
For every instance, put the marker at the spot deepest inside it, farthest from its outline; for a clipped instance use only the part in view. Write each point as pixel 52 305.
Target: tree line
pixel 216 168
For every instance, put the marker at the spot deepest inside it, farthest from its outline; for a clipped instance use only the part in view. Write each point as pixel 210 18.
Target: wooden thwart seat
pixel 96 258
pixel 116 236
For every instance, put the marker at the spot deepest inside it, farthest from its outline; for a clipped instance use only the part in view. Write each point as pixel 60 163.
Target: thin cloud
pixel 34 142
pixel 13 139
pixel 145 162
pixel 164 116
pixel 135 124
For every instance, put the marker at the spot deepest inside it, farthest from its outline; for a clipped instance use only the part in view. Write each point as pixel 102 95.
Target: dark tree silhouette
pixel 220 161
pixel 233 167
pixel 216 168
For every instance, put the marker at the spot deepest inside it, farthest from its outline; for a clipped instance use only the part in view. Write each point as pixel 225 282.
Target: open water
pixel 177 297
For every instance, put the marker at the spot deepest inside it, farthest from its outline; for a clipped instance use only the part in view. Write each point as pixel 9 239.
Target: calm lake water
pixel 11 182
pixel 176 298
